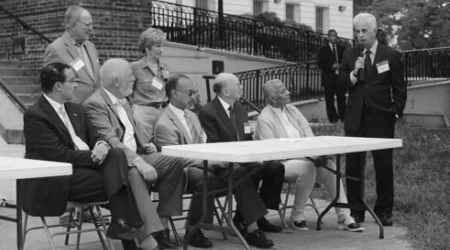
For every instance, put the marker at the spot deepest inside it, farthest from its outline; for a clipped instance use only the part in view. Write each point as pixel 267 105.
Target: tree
pixel 415 24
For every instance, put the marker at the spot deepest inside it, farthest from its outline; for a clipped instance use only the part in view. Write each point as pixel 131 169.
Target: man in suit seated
pixel 279 120
pixel 111 115
pixel 58 130
pixel 177 125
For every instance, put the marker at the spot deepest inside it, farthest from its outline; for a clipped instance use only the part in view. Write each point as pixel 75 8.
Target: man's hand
pixel 147 171
pixel 149 148
pixel 336 66
pixel 359 64
pixel 99 153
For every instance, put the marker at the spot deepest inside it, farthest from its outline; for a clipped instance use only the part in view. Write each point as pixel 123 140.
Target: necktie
pixel 79 144
pixel 233 120
pixel 367 63
pixel 128 137
pixel 192 131
pixel 335 57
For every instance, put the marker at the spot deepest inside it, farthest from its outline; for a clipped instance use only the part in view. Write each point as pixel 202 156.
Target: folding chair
pixel 100 229
pixel 284 206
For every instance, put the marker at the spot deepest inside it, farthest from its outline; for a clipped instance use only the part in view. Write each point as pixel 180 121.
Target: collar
pixel 112 97
pixel 276 110
pixel 178 112
pixel 331 45
pixel 73 41
pixel 225 105
pixel 374 48
pixel 55 105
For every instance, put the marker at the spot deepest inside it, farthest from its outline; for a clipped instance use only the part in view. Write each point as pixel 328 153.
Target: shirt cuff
pixel 104 143
pixel 132 163
pixel 353 78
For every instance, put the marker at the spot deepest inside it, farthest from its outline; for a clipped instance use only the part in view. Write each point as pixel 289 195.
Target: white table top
pixel 19 168
pixel 276 149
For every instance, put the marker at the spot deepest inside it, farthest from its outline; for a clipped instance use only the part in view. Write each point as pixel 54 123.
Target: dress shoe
pixel 163 239
pixel 358 216
pixel 119 229
pixel 240 226
pixel 199 240
pixel 300 225
pixel 258 239
pixel 265 225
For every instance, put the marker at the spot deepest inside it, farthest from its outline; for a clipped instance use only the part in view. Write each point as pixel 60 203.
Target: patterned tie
pixel 233 120
pixel 192 131
pixel 79 144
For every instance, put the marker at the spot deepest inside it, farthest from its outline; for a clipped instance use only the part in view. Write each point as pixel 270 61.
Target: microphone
pixel 361 72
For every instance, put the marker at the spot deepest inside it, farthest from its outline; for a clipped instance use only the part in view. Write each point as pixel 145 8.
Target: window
pixel 201 4
pixel 260 6
pixel 322 19
pixel 179 1
pixel 292 12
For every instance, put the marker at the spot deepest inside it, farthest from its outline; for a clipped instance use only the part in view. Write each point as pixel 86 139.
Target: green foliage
pixel 421 180
pixel 415 24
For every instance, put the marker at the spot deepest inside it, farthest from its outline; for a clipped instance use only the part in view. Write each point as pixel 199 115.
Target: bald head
pixel 276 94
pixel 116 77
pixel 365 27
pixel 228 87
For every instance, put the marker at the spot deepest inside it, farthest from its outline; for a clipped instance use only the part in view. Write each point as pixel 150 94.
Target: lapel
pixel 74 118
pixel 194 119
pixel 53 116
pixel 179 125
pixel 224 117
pixel 90 52
pixel 144 66
pixel 73 52
pixel 378 57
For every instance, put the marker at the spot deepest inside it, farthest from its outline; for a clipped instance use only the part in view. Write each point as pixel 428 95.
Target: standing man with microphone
pixel 375 102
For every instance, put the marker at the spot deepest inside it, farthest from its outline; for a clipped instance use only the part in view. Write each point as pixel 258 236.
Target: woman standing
pixel 149 96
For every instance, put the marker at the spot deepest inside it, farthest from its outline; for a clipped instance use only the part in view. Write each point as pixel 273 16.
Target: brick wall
pixel 117 26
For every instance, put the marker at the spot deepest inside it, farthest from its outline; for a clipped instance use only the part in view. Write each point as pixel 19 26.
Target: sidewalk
pixel 329 238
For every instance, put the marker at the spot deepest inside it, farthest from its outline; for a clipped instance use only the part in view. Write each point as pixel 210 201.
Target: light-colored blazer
pixel 63 50
pixel 170 131
pixel 104 117
pixel 269 124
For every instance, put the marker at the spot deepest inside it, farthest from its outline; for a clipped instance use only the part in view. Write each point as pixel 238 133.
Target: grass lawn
pixel 422 183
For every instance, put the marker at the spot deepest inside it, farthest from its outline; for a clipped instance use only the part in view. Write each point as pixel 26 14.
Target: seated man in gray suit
pixel 178 125
pixel 110 113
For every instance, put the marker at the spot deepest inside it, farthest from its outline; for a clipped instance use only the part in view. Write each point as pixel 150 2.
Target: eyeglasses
pixel 189 92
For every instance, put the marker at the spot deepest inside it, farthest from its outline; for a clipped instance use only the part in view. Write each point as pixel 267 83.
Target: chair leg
pixel 314 205
pixel 103 224
pixel 284 207
pixel 216 213
pixel 24 229
pixel 100 236
pixel 80 227
pixel 66 241
pixel 174 231
pixel 47 232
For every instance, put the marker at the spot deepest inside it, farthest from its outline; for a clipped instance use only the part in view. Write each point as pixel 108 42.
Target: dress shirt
pixel 180 115
pixel 61 111
pixel 225 105
pixel 128 137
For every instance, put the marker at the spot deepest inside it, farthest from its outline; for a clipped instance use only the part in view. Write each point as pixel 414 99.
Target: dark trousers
pixel 331 91
pixel 382 161
pixel 272 177
pixel 110 183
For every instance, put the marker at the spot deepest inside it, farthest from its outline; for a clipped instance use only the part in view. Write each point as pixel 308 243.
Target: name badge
pixel 77 64
pixel 157 83
pixel 247 128
pixel 165 74
pixel 383 67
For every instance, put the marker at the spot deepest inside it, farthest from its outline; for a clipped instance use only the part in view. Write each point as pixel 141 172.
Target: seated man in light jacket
pixel 279 120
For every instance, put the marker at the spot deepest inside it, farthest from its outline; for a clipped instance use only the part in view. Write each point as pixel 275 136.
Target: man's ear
pixel 57 86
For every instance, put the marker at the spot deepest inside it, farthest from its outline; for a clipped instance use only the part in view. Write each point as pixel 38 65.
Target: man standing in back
pixel 74 49
pixel 329 62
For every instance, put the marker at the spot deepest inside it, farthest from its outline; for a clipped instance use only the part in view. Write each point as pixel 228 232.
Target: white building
pixel 321 15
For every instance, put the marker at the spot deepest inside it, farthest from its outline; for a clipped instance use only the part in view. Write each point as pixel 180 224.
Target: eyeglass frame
pixel 189 92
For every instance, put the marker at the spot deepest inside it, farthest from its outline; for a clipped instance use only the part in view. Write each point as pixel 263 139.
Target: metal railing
pixel 302 80
pixel 426 64
pixel 204 28
pixel 13 95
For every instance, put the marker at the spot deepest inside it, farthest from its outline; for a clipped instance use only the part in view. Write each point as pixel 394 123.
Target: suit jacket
pixel 63 50
pixel 170 131
pixel 326 62
pixel 217 124
pixel 383 93
pixel 104 117
pixel 47 138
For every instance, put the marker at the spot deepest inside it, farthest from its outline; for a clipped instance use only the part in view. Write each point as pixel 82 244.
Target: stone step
pixel 19 80
pixel 3 55
pixel 12 71
pixel 8 63
pixel 26 89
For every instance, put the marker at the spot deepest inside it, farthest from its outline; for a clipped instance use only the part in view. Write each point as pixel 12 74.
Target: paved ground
pixel 330 238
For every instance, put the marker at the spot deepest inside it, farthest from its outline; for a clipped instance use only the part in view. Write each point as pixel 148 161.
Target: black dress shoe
pixel 265 225
pixel 119 229
pixel 199 240
pixel 163 239
pixel 258 239
pixel 240 226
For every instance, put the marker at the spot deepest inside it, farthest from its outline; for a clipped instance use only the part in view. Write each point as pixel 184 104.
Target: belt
pixel 158 105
